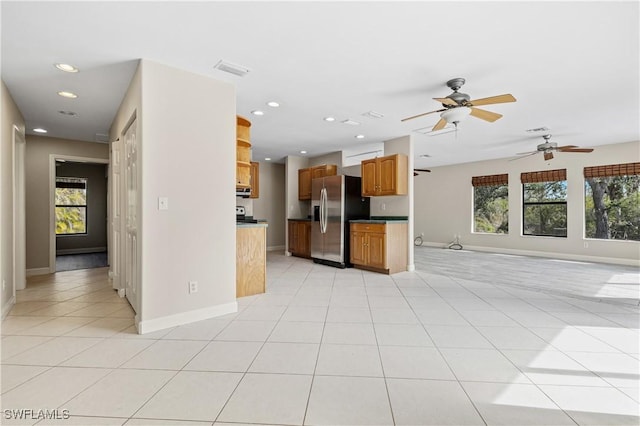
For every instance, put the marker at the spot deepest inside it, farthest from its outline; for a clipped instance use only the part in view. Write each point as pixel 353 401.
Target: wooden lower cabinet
pixel 251 260
pixel 379 247
pixel 300 238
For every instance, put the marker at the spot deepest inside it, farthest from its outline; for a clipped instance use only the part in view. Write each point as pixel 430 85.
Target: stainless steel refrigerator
pixel 335 200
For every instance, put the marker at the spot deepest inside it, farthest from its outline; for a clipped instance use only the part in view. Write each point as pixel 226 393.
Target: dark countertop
pixel 251 225
pixel 383 219
pixel 300 220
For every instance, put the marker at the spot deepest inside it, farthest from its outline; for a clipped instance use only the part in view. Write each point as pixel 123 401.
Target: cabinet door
pixel 388 175
pixel 304 240
pixel 358 256
pixel 255 179
pixel 304 184
pixel 376 247
pixel 368 172
pixel 293 237
pixel 318 171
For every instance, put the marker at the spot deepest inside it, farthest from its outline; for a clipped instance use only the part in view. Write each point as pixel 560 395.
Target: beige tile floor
pixel 326 346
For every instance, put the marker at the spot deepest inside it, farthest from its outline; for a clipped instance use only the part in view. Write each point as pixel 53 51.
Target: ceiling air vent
pixel 102 137
pixel 350 122
pixel 373 114
pixel 229 67
pixel 538 129
pixel 427 130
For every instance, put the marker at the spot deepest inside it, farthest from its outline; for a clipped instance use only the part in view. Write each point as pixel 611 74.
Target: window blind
pixel 490 180
pixel 612 170
pixel 544 176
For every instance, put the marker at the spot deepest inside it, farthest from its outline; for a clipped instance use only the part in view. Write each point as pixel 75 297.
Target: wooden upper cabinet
pixel 385 176
pixel 304 184
pixel 305 176
pixel 243 153
pixel 255 180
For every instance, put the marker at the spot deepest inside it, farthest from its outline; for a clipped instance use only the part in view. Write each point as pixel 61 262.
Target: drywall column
pixel 399 205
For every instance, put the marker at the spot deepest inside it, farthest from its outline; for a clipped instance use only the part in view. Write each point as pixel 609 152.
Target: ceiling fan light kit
pixel 457 106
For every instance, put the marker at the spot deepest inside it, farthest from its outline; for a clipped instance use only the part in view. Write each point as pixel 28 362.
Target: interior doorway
pixel 78 218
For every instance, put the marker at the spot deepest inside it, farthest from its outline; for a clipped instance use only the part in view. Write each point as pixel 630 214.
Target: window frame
pixel 525 204
pixel 85 206
pixel 489 180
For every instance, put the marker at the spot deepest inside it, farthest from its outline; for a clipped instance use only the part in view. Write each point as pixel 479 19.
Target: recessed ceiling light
pixel 273 104
pixel 65 94
pixel 425 156
pixel 66 67
pixel 303 152
pixel 69 113
pixel 39 130
pixel 267 158
pixel 257 112
pixel 329 119
pixel 359 136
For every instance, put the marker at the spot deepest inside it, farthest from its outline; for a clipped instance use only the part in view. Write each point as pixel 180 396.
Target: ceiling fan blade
pixel 485 115
pixel 446 101
pixel 415 174
pixel 524 155
pixel 422 170
pixel 576 150
pixel 423 114
pixel 562 148
pixel 439 125
pixel 500 99
pixel 548 155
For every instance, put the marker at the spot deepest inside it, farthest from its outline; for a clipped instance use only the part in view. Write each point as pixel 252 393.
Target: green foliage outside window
pixel 545 209
pixel 491 209
pixel 71 206
pixel 612 207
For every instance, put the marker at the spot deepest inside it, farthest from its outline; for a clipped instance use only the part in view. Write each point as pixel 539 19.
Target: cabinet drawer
pixel 368 227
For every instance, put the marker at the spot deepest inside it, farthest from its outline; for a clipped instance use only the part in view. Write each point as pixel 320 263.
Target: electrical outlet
pixel 383 206
pixel 586 244
pixel 422 234
pixel 193 287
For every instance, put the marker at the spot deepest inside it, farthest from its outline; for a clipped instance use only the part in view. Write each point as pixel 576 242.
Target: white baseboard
pixel 81 250
pixel 275 248
pixel 169 321
pixel 549 255
pixel 37 271
pixel 6 308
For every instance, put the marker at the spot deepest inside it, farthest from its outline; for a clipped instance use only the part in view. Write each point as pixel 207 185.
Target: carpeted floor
pixel 71 262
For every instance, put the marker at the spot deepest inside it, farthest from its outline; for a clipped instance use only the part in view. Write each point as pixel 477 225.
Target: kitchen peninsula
pixel 251 258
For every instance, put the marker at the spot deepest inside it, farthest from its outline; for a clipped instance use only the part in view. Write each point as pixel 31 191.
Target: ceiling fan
pixel 458 105
pixel 416 171
pixel 548 147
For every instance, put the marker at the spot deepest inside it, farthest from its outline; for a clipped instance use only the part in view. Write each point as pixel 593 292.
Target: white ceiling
pixel 572 66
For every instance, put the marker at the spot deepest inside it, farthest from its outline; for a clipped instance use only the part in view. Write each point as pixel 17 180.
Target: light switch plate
pixel 163 203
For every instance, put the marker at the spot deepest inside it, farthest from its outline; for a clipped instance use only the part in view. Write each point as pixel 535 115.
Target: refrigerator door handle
pixel 323 210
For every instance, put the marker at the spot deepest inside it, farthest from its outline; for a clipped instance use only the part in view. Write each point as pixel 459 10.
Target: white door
pixel 132 288
pixel 115 211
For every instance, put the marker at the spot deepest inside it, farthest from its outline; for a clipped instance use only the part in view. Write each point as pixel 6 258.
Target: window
pixel 612 202
pixel 71 206
pixel 544 203
pixel 491 204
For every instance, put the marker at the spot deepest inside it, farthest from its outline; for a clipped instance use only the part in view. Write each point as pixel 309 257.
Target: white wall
pixel 271 203
pixel 444 207
pixel 187 153
pixel 11 117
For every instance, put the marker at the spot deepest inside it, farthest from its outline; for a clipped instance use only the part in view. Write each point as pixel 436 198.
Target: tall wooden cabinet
pixel 254 180
pixel 379 247
pixel 305 177
pixel 385 176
